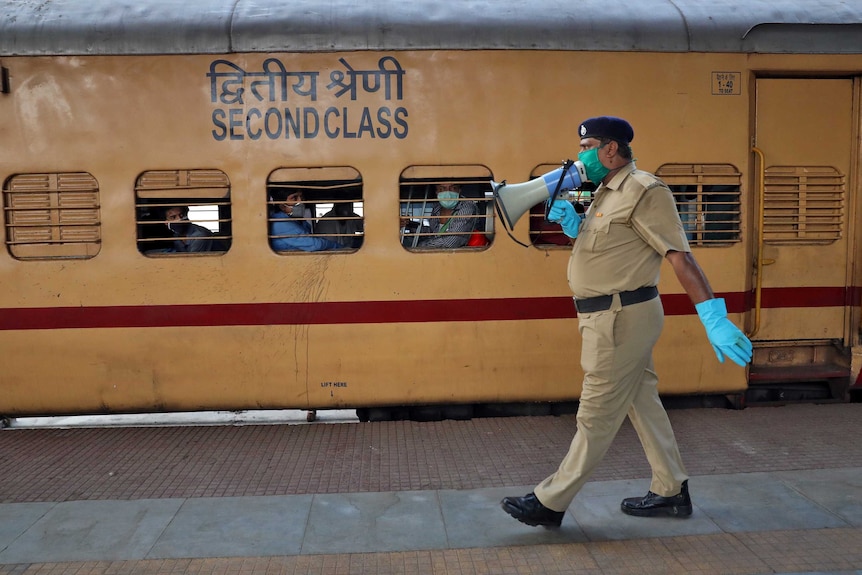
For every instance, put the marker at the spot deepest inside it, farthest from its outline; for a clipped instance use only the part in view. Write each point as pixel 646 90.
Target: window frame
pixel 417 188
pixel 712 218
pixel 156 191
pixel 324 188
pixel 52 215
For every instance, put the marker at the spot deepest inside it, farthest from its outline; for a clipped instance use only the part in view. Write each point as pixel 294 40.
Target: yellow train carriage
pixel 225 109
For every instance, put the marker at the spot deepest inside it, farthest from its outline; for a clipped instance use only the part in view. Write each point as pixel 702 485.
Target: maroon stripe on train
pixel 502 309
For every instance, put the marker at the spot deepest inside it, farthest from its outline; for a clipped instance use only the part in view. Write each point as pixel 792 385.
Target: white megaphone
pixel 515 200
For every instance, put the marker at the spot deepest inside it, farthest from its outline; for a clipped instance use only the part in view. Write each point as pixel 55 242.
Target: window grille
pixel 330 214
pixel 803 205
pixel 202 196
pixel 708 200
pixel 54 215
pixel 422 226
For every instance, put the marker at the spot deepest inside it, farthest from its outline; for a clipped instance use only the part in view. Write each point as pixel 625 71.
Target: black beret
pixel 607 127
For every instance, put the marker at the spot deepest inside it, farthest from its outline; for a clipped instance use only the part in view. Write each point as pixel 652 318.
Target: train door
pixel 803 145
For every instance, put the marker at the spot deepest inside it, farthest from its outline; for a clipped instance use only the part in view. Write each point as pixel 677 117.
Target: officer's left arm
pixel 665 235
pixel 690 276
pixel 726 339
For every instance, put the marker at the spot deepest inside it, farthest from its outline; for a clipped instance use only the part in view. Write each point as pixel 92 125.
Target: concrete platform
pixel 757 521
pixel 411 520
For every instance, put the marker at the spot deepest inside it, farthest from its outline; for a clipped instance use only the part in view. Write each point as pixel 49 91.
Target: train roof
pixel 101 27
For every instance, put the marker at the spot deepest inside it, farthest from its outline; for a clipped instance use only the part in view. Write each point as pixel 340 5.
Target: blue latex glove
pixel 725 337
pixel 563 213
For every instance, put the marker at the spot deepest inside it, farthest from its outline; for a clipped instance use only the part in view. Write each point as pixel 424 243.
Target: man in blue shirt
pixel 289 228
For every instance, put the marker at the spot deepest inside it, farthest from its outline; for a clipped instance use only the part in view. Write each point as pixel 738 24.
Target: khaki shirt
pixel 630 226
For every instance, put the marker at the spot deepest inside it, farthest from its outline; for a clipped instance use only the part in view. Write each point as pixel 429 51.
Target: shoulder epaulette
pixel 647 180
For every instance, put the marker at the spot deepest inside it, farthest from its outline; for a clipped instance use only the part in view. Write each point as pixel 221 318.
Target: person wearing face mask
pixel 453 220
pixel 290 230
pixel 189 237
pixel 630 227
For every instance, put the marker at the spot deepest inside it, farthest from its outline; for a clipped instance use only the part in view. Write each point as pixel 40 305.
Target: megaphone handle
pixel 503 220
pixel 566 166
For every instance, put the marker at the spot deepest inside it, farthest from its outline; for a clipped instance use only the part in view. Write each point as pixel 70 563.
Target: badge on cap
pixel 609 127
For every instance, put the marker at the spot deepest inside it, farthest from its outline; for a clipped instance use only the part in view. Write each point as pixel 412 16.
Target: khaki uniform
pixel 629 228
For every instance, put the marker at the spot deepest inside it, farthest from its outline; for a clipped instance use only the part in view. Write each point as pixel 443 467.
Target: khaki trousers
pixel 619 380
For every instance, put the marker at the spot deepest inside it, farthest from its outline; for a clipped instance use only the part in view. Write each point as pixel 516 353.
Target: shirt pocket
pixel 597 234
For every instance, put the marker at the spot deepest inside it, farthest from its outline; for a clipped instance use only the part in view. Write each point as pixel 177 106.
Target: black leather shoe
pixel 652 505
pixel 528 509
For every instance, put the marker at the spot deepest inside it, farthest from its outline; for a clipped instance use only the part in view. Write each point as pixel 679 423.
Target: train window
pixel 53 215
pixel 460 217
pixel 315 209
pixel 548 235
pixel 803 205
pixel 183 212
pixel 707 198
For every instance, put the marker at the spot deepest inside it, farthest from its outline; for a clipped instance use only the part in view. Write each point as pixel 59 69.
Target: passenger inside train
pixel 451 222
pixel 189 237
pixel 342 225
pixel 291 227
pixel 183 212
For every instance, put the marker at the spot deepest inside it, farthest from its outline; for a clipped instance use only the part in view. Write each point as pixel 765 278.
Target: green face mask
pixel 448 200
pixel 595 170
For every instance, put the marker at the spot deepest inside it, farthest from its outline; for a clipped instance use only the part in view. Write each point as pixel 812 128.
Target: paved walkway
pixel 411 520
pixel 774 521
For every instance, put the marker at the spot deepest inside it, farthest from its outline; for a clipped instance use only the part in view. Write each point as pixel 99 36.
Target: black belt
pixel 603 302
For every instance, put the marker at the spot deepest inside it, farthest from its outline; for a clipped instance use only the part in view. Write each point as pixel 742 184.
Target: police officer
pixel 613 271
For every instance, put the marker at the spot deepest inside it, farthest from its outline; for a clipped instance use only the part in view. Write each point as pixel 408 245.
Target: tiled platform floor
pixel 776 490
